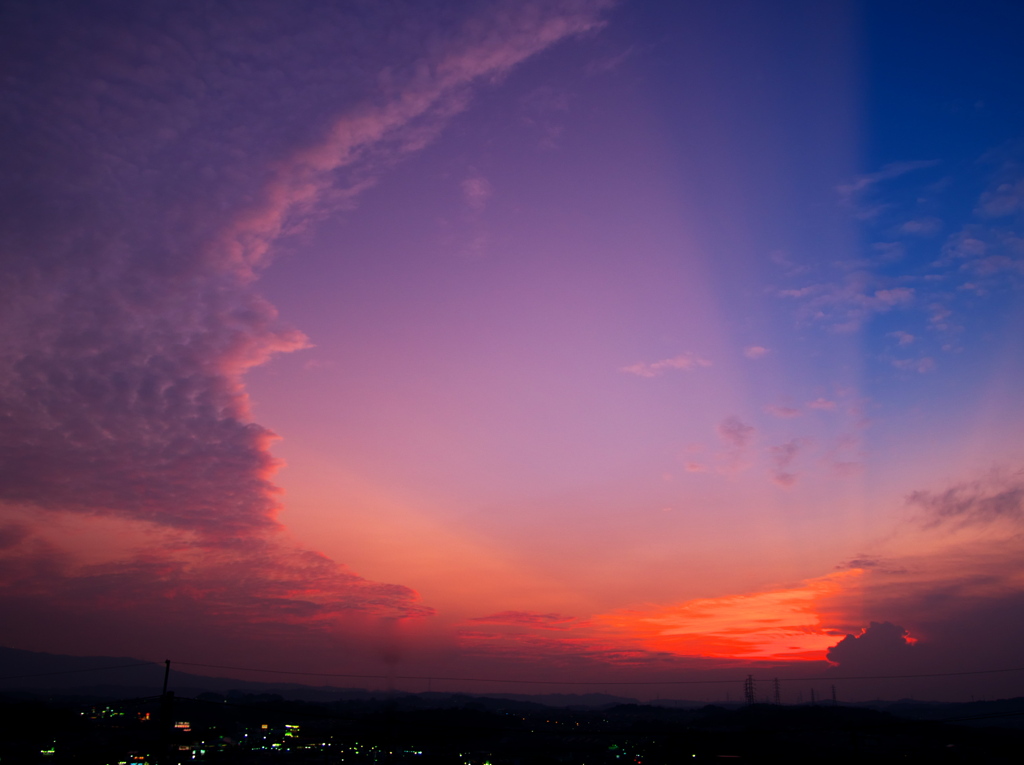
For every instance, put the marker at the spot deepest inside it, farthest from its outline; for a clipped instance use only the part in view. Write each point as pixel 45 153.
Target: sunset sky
pixel 575 340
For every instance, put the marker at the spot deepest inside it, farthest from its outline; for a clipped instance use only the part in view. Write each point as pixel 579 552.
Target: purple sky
pixel 578 340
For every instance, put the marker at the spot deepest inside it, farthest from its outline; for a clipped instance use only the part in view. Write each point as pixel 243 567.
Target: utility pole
pixel 166 720
pixel 748 689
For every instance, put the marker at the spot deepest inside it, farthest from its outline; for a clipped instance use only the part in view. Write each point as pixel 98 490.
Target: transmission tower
pixel 778 692
pixel 748 689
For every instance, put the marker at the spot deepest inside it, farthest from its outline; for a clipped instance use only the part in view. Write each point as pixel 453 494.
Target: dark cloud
pixel 874 564
pixel 527 619
pixel 881 646
pixel 255 599
pixel 862 561
pixel 254 582
pixel 960 599
pixel 985 500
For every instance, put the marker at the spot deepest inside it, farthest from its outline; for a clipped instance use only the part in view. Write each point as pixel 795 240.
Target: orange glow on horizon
pixel 777 625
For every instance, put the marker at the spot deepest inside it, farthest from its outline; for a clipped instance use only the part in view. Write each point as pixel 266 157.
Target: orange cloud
pixel 778 625
pixel 792 624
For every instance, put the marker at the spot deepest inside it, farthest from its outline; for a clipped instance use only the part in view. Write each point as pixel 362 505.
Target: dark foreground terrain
pixel 241 728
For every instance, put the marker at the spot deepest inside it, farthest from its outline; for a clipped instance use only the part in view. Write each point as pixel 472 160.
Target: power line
pixel 903 677
pixel 73 671
pixel 592 682
pixel 517 681
pixel 454 679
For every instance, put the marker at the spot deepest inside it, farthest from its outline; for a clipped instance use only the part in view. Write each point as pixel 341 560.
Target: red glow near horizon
pixel 779 624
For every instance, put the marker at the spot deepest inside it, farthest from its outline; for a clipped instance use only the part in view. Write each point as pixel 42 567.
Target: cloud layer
pixel 155 156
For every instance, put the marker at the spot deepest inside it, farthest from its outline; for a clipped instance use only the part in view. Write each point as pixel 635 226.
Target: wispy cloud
pixel 822 405
pixel 1004 200
pixel 782 457
pixel 755 352
pixel 476 190
pixel 889 252
pixel 684 362
pixel 782 412
pixel 861 561
pixel 983 257
pixel 928 226
pixel 965 244
pixel 997 496
pixel 784 260
pixel 544 111
pixel 736 433
pixel 845 306
pixel 850 192
pixel 903 338
pixel 921 365
pixel 529 619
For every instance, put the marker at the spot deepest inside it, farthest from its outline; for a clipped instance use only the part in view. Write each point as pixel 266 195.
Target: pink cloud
pixel 735 432
pixel 155 178
pixel 684 362
pixel 847 469
pixel 755 352
pixel 847 304
pixel 782 412
pixel 822 404
pixel 476 190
